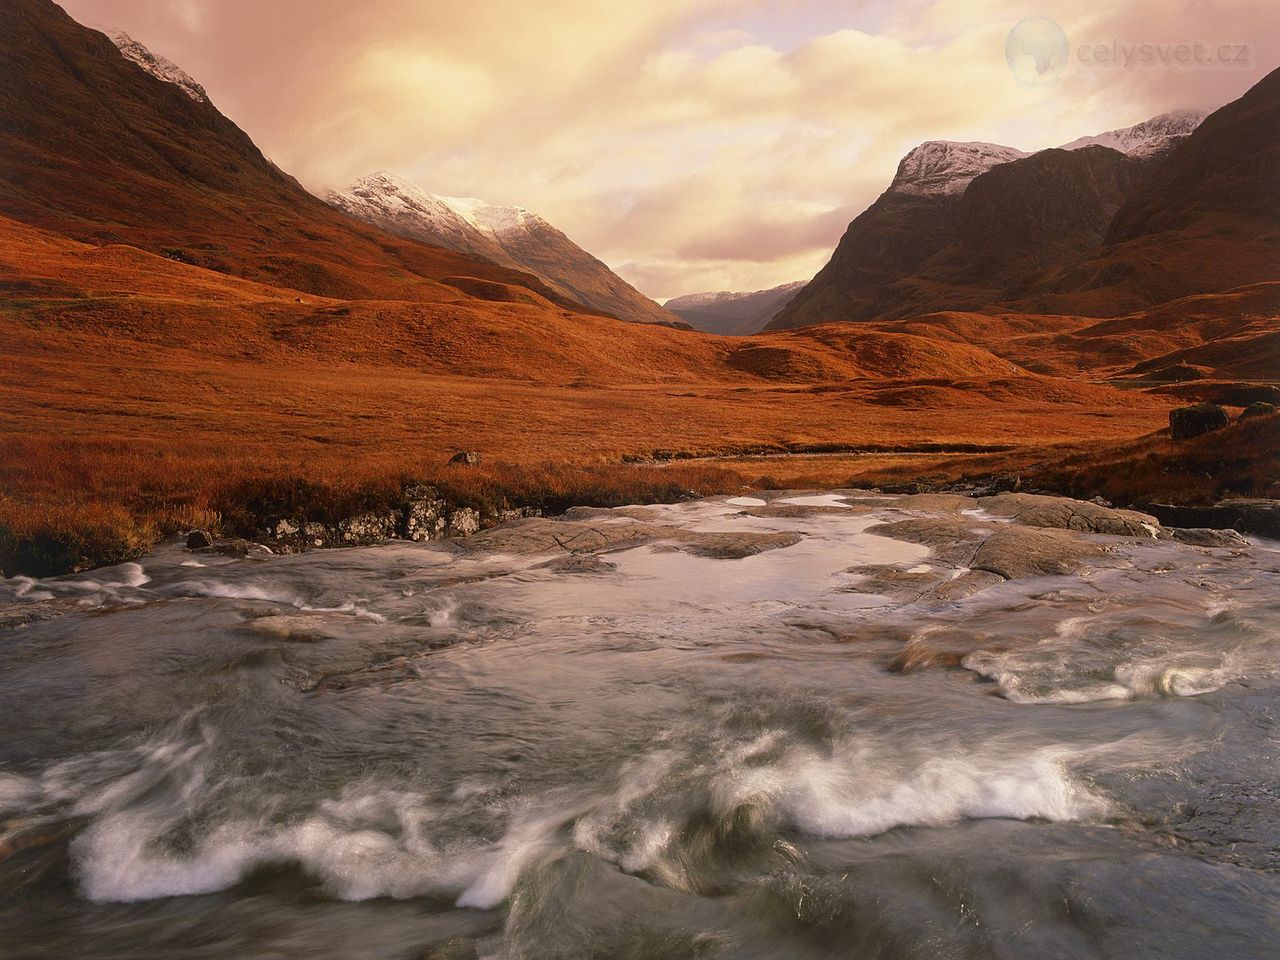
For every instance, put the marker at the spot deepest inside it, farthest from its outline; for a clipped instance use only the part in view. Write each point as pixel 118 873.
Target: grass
pixel 166 398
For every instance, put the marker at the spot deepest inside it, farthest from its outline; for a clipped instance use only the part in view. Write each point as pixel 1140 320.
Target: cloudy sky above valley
pixel 691 144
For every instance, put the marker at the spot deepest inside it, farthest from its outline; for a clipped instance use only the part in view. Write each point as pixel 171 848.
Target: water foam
pixel 1022 678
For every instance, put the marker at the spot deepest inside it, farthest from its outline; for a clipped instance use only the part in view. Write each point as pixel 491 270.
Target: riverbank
pixel 102 504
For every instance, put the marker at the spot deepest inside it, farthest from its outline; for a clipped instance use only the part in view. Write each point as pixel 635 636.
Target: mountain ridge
pixel 733 313
pixel 508 236
pixel 99 148
pixel 1044 232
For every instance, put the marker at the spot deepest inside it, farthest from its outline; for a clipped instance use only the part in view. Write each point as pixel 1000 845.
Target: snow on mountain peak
pixel 1146 139
pixel 492 218
pixel 389 195
pixel 690 300
pixel 158 66
pixel 389 199
pixel 942 167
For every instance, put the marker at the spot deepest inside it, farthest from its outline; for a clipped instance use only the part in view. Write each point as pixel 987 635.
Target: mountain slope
pixel 911 222
pixel 508 236
pixel 1146 140
pixel 162 68
pixel 733 314
pixel 1206 219
pixel 1103 226
pixel 96 147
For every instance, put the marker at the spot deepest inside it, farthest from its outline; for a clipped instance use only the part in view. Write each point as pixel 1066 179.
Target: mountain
pixel 159 67
pixel 118 146
pixel 1146 140
pixel 1206 219
pixel 508 236
pixel 911 222
pixel 1108 224
pixel 733 314
pixel 946 168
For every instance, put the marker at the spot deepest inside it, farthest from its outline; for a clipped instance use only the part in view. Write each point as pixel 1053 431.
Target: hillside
pixel 507 236
pixel 98 148
pixel 1107 225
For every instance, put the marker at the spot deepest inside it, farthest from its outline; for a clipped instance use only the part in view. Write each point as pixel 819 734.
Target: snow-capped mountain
pixel 945 167
pixel 508 236
pixel 396 204
pixel 733 313
pixel 158 66
pixel 1150 138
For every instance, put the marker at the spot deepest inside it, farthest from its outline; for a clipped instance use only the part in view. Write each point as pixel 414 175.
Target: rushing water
pixel 454 751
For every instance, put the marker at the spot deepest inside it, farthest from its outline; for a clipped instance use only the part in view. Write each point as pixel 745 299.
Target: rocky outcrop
pixel 1208 537
pixel 1258 516
pixel 1063 513
pixel 1259 408
pixel 1197 419
pixel 423 513
pixel 590 532
pixel 1017 552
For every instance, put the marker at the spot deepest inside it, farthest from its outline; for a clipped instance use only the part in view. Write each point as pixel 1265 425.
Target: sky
pixel 692 145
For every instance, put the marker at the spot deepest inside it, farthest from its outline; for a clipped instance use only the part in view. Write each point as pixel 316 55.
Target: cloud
pixel 691 144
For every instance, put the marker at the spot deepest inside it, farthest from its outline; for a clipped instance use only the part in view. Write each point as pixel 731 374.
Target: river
pixel 762 731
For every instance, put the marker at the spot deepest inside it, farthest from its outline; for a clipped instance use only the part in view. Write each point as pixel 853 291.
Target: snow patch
pixel 946 167
pixel 160 67
pixel 1147 139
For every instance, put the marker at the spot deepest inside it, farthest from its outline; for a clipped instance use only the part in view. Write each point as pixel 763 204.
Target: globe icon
pixel 1036 50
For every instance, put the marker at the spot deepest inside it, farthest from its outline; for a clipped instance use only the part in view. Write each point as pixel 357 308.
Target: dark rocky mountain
pixel 733 314
pixel 96 146
pixel 921 251
pixel 1207 219
pixel 1083 229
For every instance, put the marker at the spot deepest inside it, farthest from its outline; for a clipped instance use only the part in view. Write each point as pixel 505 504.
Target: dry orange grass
pixel 140 397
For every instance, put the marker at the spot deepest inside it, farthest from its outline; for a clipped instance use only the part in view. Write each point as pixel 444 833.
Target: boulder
pixel 1017 552
pixel 463 522
pixel 1208 537
pixel 1258 409
pixel 1197 419
pixel 1248 515
pixel 235 547
pixel 1063 513
pixel 466 458
pixel 199 539
pixel 425 516
pixel 368 528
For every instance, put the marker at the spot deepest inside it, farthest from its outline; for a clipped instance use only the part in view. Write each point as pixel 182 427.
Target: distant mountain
pixel 1151 138
pixel 108 143
pixel 508 236
pixel 1107 224
pixel 733 314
